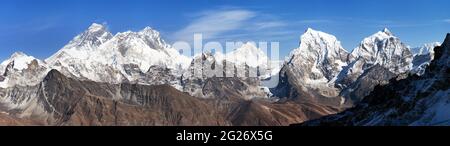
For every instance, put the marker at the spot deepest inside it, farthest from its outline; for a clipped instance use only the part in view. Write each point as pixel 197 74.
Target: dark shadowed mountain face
pixel 415 100
pixel 59 100
pixel 321 71
pixel 135 78
pixel 376 75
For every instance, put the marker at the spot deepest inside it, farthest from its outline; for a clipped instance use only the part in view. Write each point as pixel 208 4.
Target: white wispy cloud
pixel 237 24
pixel 311 21
pixel 270 24
pixel 213 23
pixel 447 20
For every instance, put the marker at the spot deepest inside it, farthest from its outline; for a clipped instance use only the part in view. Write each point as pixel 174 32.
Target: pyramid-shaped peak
pixel 148 28
pixel 96 27
pixel 312 34
pixel 310 30
pixel 18 54
pixel 380 35
pixel 149 31
pixel 54 75
pixel 248 48
pixel 387 31
pixel 249 45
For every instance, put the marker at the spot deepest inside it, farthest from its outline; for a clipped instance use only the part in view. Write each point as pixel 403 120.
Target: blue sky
pixel 41 28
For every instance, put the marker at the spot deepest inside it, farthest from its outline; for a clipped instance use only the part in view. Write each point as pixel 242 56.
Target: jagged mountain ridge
pixel 98 56
pixel 423 56
pixel 59 100
pixel 310 71
pixel 320 73
pixel 381 50
pixel 323 70
pixel 415 100
pixel 21 69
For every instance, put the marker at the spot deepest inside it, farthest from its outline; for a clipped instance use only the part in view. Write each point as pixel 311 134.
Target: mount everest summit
pixel 139 69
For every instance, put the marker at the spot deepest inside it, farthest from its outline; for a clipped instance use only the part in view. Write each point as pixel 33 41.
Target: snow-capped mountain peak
pixel 403 102
pixel 322 51
pixel 153 38
pixel 425 49
pixel 18 54
pixel 315 34
pixel 149 31
pixel 319 42
pixel 97 55
pixel 379 36
pixel 83 44
pixel 18 60
pixel 385 49
pixel 422 57
pixel 94 36
pixel 248 54
pixel 316 63
pixel 21 69
pixel 95 27
pixel 387 32
pixel 310 30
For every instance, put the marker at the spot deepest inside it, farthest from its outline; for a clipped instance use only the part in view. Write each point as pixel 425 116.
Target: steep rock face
pixel 387 50
pixel 246 54
pixel 377 59
pixel 66 101
pixel 312 69
pixel 236 74
pixel 74 58
pixel 320 70
pixel 142 57
pixel 415 100
pixel 21 69
pixel 374 76
pixel 426 49
pixel 319 58
pixel 82 45
pixel 249 113
pixel 422 57
pixel 98 56
pixel 98 73
pixel 59 100
pixel 205 79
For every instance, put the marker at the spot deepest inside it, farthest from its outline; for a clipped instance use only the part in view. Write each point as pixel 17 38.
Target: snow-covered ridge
pixel 425 49
pixel 316 63
pixel 320 64
pixel 247 54
pixel 96 54
pixel 320 54
pixel 20 61
pixel 422 57
pixel 326 44
pixel 385 49
pixel 21 69
pixel 99 56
